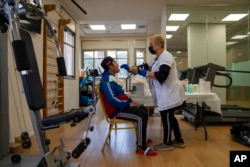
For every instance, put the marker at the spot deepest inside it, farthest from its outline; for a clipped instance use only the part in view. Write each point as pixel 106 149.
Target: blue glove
pixel 125 66
pixel 143 73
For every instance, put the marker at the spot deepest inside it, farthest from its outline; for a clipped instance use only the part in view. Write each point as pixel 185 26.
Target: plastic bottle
pixel 190 88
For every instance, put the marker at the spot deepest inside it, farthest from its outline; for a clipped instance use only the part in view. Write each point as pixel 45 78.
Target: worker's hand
pixel 125 66
pixel 143 73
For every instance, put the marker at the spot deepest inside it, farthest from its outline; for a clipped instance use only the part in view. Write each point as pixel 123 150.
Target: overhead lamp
pixel 178 17
pixel 128 26
pixel 239 36
pixel 231 42
pixel 97 27
pixel 168 36
pixel 172 28
pixel 234 17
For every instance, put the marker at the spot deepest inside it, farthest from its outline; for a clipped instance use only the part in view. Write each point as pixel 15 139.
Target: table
pixel 211 99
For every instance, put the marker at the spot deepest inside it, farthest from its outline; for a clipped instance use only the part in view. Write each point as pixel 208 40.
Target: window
pixel 69 52
pixel 92 59
pixel 139 56
pixel 121 57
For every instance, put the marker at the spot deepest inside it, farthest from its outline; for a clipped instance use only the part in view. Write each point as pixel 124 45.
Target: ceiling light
pixel 168 36
pixel 239 36
pixel 234 17
pixel 178 52
pixel 230 43
pixel 178 17
pixel 171 28
pixel 128 26
pixel 97 27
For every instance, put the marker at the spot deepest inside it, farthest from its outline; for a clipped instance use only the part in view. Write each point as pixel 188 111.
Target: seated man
pixel 120 106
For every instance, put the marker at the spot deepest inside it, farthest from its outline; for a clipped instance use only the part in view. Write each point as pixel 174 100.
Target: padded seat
pixel 113 123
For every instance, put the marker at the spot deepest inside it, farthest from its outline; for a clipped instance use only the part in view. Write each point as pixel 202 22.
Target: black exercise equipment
pixel 80 148
pixel 28 68
pixel 26 141
pixel 21 55
pixel 230 113
pixel 16 158
pixel 75 115
pixel 241 132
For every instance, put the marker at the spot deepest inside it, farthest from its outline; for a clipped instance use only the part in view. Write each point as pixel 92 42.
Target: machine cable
pixel 14 99
pixel 54 101
pixel 26 141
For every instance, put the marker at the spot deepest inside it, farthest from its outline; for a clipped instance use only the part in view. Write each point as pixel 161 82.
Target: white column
pixel 207 44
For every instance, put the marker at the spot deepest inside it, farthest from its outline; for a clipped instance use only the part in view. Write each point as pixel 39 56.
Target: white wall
pixel 71 87
pixel 206 44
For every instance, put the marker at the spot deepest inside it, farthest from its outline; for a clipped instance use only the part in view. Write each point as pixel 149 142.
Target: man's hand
pixel 134 104
pixel 143 73
pixel 125 66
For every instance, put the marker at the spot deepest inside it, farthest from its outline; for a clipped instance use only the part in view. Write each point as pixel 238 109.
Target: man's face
pixel 114 67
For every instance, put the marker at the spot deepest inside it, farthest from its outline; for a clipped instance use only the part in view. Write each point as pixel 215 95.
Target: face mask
pixel 151 50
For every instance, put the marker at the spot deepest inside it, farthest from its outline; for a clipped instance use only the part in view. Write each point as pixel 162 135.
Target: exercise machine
pixel 26 65
pixel 87 88
pixel 229 113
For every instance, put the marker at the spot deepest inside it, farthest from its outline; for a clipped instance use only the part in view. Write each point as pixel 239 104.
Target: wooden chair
pixel 113 123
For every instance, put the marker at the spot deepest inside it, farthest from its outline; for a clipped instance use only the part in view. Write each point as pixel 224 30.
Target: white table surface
pixel 211 99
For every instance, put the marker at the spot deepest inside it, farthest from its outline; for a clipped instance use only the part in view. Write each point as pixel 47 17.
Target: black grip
pixel 61 66
pixel 21 55
pixel 80 148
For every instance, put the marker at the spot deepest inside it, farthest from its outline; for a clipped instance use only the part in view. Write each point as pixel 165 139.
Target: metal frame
pixel 31 83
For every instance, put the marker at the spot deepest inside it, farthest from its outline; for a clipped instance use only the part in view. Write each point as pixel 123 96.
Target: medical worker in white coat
pixel 166 89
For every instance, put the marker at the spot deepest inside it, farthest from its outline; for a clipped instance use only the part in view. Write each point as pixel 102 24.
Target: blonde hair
pixel 159 40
